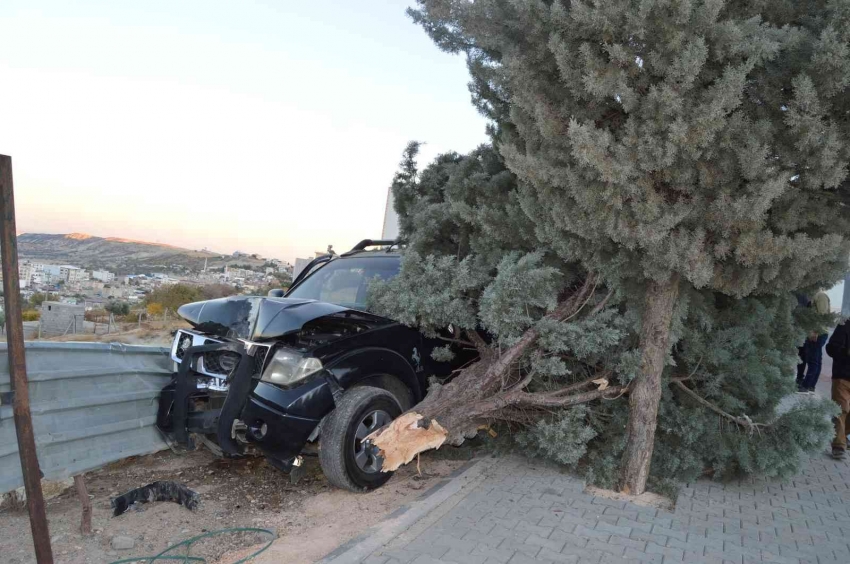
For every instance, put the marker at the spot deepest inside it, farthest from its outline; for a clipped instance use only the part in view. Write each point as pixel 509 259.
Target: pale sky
pixel 271 127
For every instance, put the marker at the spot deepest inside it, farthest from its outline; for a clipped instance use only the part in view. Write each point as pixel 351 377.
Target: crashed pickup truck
pixel 278 373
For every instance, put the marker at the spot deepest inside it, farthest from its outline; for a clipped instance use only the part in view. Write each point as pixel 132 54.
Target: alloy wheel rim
pixel 369 423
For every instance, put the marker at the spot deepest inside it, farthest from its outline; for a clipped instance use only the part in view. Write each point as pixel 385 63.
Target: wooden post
pixel 83 494
pixel 18 367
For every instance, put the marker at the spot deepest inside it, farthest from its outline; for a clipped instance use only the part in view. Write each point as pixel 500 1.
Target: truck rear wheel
pixel 345 460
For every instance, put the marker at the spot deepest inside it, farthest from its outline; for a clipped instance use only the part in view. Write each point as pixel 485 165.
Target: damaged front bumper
pixel 241 411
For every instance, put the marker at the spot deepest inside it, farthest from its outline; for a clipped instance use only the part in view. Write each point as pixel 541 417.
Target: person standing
pixel 839 349
pixel 802 301
pixel 808 372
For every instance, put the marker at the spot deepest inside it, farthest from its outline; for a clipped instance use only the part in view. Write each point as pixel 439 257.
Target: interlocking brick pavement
pixel 530 512
pixel 520 511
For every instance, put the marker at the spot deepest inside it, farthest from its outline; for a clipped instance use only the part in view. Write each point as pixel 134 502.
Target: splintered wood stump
pixel 406 437
pixel 83 494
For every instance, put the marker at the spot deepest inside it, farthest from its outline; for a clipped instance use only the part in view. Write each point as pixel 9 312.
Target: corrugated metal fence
pixel 92 403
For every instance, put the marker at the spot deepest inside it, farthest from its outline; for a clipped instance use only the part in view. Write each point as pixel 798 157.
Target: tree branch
pixel 478 342
pixel 566 310
pixel 467 344
pixel 546 400
pixel 524 382
pixel 743 421
pixel 584 295
pixel 579 385
pixel 601 305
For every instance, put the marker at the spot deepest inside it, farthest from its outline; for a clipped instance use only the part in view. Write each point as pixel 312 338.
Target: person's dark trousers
pixel 814 360
pixel 801 368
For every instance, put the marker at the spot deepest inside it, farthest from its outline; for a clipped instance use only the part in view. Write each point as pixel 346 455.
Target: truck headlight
pixel 290 367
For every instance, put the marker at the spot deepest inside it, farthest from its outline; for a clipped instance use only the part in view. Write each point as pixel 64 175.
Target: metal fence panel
pixel 92 404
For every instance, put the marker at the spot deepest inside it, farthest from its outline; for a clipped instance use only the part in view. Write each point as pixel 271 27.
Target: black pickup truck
pixel 277 373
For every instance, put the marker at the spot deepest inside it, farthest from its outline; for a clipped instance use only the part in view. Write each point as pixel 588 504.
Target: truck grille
pixel 220 362
pixel 223 363
pixel 217 364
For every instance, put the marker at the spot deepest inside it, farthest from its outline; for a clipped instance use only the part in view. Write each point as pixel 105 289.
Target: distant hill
pixel 123 256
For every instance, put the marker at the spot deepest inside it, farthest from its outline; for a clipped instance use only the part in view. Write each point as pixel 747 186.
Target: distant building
pixel 390 229
pixel 60 319
pixel 300 264
pixel 103 275
pixel 29 273
pixel 64 272
pixel 94 303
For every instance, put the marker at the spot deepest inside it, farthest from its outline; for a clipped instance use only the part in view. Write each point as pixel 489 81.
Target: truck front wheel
pixel 343 454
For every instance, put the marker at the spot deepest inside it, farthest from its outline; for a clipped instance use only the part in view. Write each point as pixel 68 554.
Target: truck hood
pixel 254 318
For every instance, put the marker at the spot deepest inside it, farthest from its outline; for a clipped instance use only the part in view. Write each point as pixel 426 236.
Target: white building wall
pixel 103 275
pixel 300 263
pixel 390 229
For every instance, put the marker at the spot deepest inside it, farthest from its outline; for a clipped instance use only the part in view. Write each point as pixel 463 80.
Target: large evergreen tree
pixel 561 370
pixel 663 146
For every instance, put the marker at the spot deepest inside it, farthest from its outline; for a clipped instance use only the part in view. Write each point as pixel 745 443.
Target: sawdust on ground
pixel 646 499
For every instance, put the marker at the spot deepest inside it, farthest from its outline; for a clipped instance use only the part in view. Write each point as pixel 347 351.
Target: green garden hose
pixel 186 558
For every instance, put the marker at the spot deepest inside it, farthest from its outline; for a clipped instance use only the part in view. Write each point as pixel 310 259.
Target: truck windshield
pixel 345 281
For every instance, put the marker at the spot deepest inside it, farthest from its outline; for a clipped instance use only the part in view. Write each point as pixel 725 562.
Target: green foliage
pixel 523 289
pixel 707 139
pixel 562 437
pixel 739 353
pixel 117 308
pixel 173 296
pixel 450 283
pixel 642 140
pixel 39 298
pixel 30 315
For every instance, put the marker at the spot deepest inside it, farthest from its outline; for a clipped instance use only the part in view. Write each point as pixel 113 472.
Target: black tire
pixel 341 458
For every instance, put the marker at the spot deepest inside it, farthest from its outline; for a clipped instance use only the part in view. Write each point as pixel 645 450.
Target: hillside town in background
pixel 62 298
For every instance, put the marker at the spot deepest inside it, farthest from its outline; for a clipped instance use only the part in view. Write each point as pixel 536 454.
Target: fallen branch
pixel 491 389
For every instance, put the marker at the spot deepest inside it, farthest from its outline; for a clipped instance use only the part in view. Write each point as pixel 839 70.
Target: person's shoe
pixel 801 390
pixel 810 391
pixel 838 453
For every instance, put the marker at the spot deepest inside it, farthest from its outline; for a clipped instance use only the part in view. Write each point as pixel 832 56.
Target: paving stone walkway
pixel 527 512
pixel 516 511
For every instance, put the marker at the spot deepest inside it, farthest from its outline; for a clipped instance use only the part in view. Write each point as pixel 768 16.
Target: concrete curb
pixel 451 489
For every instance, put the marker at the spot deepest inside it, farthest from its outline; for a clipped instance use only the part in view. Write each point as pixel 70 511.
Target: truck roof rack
pixel 374 243
pixel 362 245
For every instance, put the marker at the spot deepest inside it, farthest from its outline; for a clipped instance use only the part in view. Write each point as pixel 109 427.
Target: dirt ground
pixel 310 518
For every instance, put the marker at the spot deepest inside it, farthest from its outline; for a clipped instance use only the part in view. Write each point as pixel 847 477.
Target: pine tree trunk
pixel 645 392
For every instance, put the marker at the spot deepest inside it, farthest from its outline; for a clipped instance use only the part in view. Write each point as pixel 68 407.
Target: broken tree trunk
pixel 645 391
pixel 491 389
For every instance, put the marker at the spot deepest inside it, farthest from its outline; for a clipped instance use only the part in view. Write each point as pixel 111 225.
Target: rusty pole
pixel 18 366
